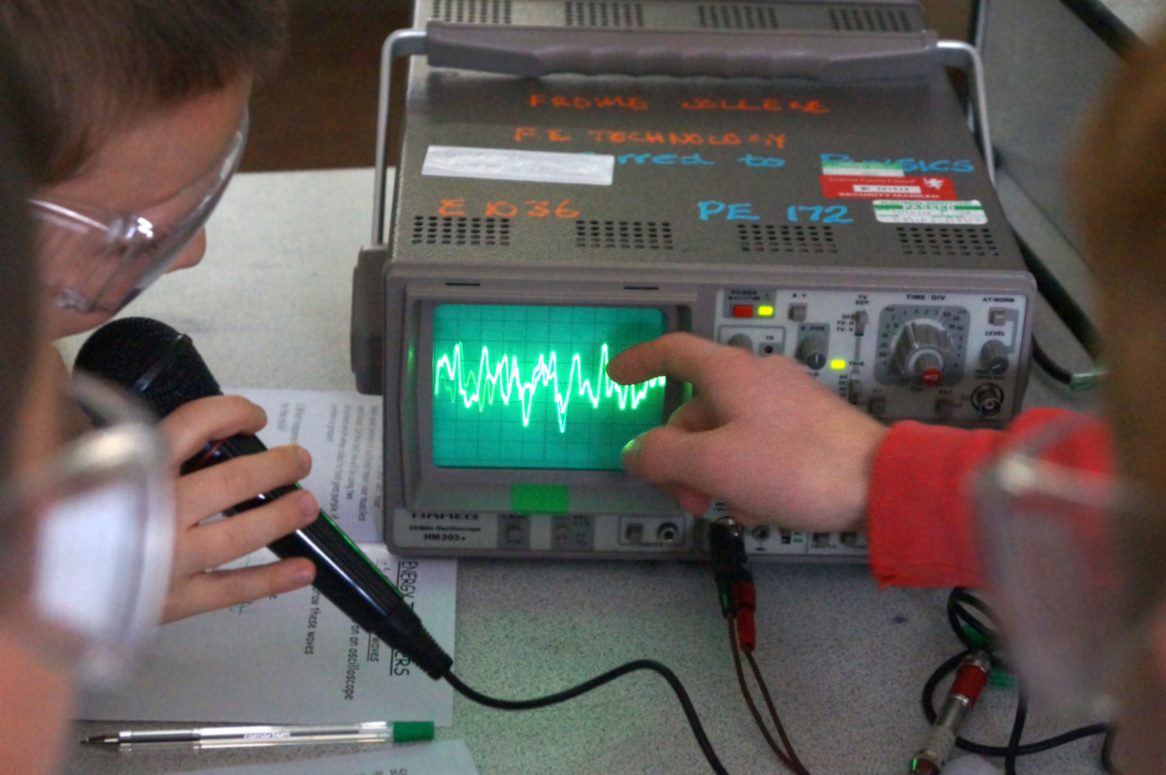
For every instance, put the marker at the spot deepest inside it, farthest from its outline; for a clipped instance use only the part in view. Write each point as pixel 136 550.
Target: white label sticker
pixel 970 213
pixel 588 169
pixel 870 169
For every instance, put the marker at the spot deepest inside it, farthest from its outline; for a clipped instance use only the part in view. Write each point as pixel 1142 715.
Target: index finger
pixel 679 355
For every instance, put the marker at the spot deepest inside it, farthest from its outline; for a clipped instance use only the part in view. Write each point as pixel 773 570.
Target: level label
pixel 870 187
pixel 970 213
pixel 450 161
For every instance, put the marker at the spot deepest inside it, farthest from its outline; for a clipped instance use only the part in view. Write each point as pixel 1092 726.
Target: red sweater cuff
pixel 920 507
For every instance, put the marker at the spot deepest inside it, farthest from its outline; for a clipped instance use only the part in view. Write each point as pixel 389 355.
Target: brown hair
pixel 1118 186
pixel 103 64
pixel 20 291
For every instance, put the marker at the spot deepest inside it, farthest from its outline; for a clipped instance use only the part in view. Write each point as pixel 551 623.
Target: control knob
pixel 921 352
pixel 994 357
pixel 812 351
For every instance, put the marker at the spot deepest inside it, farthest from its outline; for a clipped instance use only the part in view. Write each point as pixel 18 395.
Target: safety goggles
pixel 1055 536
pixel 99 260
pixel 101 521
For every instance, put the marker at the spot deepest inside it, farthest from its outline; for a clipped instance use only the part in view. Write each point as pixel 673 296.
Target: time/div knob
pixel 922 350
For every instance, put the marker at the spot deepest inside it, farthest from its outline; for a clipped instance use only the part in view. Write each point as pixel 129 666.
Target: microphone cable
pixel 972 622
pixel 594 683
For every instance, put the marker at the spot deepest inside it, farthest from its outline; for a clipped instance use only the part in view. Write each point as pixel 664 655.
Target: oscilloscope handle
pixel 529 51
pixel 533 51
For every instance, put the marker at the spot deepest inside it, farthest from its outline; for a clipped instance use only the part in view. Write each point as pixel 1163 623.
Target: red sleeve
pixel 920 506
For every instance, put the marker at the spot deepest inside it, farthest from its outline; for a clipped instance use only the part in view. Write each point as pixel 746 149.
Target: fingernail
pixel 303 575
pixel 631 449
pixel 305 461
pixel 309 505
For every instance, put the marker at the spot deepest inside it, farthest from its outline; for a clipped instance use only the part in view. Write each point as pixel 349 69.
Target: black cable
pixel 1061 301
pixel 1017 733
pixel 1107 751
pixel 1051 367
pixel 594 683
pixel 782 755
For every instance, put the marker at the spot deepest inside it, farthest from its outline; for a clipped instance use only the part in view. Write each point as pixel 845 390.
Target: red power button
pixel 742 310
pixel 931 376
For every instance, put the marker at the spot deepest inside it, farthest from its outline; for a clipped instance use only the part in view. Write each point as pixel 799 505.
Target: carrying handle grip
pixel 532 52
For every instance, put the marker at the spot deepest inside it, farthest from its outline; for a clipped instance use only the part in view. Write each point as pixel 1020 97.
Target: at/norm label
pixel 454 161
pixel 969 213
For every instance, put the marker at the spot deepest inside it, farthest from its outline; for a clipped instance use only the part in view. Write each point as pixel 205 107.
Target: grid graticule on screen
pixel 501 375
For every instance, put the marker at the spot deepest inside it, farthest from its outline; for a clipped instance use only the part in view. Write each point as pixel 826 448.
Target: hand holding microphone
pixel 203 546
pixel 160 365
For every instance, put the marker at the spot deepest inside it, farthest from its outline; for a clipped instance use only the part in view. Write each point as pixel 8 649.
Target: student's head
pixel 1119 179
pixel 148 102
pixel 34 695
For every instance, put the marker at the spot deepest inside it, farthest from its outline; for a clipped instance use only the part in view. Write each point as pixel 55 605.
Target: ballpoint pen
pixel 376 732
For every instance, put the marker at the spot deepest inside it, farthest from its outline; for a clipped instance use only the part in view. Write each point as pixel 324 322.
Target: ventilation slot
pixel 769 238
pixel 472 11
pixel 860 19
pixel 946 241
pixel 481 232
pixel 600 14
pixel 737 17
pixel 623 235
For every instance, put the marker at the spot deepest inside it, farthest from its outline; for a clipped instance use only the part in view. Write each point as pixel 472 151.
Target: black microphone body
pixel 162 366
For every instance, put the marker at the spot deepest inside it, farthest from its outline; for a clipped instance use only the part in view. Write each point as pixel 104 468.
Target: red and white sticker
pixel 929 188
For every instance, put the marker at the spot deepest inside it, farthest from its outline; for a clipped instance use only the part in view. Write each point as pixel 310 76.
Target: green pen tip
pixel 412 731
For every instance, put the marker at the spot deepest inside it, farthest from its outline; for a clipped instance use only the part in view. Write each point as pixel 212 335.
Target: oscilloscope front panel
pixel 851 227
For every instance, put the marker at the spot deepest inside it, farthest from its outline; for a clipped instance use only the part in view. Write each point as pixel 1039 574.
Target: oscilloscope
pixel 791 178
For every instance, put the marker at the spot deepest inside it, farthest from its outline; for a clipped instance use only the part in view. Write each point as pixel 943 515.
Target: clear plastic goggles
pixel 1054 533
pixel 102 515
pixel 98 260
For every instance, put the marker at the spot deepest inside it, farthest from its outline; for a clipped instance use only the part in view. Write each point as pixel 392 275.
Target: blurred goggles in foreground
pixel 102 531
pixel 1055 534
pixel 98 260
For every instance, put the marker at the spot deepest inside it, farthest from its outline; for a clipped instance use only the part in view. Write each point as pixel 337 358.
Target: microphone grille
pixel 126 350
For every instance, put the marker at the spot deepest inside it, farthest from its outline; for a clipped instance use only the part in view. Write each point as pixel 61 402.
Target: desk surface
pixel 269 307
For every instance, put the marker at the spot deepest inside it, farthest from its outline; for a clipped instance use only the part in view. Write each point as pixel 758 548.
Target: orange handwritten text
pixel 767 105
pixel 647 137
pixel 505 208
pixel 534 133
pixel 560 102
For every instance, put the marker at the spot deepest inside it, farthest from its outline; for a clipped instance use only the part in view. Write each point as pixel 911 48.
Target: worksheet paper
pixel 343 431
pixel 450 757
pixel 295 658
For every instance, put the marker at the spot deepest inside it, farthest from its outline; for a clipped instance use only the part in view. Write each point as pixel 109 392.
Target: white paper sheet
pixel 294 658
pixel 343 431
pixel 291 659
pixel 447 757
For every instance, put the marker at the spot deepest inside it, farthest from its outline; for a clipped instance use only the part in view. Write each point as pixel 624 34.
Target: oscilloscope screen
pixel 525 386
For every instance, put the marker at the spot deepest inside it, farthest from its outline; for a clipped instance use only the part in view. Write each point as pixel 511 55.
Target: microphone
pixel 159 364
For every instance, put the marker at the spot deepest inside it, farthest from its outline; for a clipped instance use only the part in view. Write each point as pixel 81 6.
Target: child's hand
pixel 195 587
pixel 758 433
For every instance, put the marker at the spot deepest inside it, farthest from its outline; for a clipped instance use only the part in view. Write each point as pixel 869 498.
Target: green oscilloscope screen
pixel 525 386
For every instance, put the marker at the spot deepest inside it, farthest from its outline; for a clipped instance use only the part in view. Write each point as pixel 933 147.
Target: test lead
pixel 961 697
